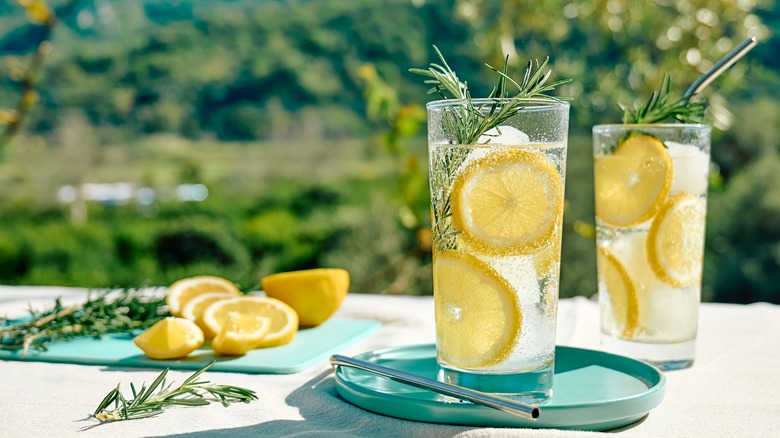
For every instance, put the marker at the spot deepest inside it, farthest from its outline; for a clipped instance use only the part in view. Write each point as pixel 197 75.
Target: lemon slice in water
pixel 633 182
pixel 509 202
pixel 621 291
pixel 675 243
pixel 478 316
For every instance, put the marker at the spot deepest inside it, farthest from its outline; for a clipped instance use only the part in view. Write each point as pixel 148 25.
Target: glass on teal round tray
pixel 497 208
pixel 594 390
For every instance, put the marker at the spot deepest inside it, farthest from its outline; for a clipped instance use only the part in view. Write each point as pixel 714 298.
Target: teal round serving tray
pixel 592 390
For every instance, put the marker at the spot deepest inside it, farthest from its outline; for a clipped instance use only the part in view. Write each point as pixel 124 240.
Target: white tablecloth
pixel 732 391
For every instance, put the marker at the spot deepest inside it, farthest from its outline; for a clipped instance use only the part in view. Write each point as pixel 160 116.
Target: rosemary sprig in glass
pixel 466 123
pixel 148 402
pixel 104 313
pixel 660 107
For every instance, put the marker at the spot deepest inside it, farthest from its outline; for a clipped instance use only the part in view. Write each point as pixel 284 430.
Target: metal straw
pixel 727 61
pixel 502 404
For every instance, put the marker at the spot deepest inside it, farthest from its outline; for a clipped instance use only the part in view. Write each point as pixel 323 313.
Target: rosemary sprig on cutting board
pixel 103 313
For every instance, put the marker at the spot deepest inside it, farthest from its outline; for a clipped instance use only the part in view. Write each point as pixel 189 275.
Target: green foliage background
pixel 302 121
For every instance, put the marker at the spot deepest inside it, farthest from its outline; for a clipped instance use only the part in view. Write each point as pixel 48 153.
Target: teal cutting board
pixel 309 347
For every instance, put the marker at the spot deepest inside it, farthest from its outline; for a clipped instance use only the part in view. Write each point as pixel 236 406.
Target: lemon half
pixel 315 294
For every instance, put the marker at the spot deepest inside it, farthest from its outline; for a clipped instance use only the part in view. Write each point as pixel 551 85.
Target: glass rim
pixel 610 127
pixel 534 104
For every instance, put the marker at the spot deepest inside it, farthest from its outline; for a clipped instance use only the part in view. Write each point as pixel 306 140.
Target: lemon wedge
pixel 284 320
pixel 184 290
pixel 478 317
pixel 675 243
pixel 621 292
pixel 240 334
pixel 170 338
pixel 315 294
pixel 633 182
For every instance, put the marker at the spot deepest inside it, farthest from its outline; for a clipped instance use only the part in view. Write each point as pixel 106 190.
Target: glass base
pixel 529 387
pixel 667 357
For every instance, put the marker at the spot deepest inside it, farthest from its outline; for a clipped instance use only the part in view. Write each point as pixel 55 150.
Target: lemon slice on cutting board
pixel 621 291
pixel 509 202
pixel 478 316
pixel 284 320
pixel 240 334
pixel 195 307
pixel 633 182
pixel 675 243
pixel 184 290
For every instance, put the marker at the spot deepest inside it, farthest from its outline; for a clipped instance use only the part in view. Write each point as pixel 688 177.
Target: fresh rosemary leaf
pixel 660 108
pixel 101 314
pixel 466 123
pixel 151 401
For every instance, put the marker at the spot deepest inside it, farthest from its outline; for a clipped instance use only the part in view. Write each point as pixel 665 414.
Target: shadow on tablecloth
pixel 326 414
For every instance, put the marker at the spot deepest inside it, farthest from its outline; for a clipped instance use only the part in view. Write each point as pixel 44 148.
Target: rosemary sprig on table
pixel 660 107
pixel 101 314
pixel 468 122
pixel 148 402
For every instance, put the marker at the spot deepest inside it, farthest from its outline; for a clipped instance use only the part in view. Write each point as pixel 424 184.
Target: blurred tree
pixel 617 50
pixel 77 150
pixel 43 19
pixel 225 70
pixel 402 125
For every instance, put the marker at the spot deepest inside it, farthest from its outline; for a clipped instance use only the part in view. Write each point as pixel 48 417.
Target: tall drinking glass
pixel 651 203
pixel 496 208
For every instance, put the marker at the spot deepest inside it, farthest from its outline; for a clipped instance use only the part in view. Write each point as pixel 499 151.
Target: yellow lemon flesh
pixel 675 243
pixel 632 183
pixel 621 291
pixel 284 320
pixel 509 202
pixel 170 338
pixel 184 290
pixel 478 316
pixel 194 309
pixel 240 334
pixel 315 294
